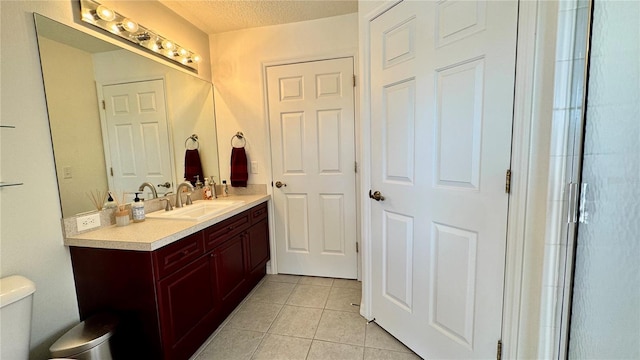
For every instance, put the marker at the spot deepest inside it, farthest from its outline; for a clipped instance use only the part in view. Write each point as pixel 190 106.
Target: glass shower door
pixel 605 307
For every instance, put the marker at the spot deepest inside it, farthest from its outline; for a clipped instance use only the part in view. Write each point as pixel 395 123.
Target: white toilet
pixel 16 299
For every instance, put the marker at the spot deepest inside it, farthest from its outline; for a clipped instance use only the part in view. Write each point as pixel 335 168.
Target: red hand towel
pixel 239 174
pixel 192 166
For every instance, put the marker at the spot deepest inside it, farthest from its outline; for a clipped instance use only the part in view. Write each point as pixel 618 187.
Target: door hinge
pixel 357 247
pixel 104 105
pixel 507 186
pixel 355 167
pixel 499 350
pixel 354 81
pixel 111 171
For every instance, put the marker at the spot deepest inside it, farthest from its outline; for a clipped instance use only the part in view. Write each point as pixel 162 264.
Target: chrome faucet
pixel 179 192
pixel 150 186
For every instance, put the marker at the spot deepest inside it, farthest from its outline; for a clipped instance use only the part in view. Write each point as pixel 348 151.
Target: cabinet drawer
pixel 174 256
pixel 258 213
pixel 219 233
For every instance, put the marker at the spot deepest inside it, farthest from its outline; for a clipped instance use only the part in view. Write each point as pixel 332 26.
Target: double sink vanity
pixel 174 277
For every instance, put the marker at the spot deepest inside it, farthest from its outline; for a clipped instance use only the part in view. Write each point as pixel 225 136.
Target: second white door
pixel 442 80
pixel 311 116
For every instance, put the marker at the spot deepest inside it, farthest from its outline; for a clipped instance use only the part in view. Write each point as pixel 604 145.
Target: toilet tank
pixel 16 298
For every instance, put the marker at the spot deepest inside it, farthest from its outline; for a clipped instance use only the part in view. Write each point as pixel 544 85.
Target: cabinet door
pixel 187 303
pixel 230 270
pixel 258 249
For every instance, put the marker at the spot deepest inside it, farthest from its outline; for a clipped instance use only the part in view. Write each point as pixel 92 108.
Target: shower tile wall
pixel 567 110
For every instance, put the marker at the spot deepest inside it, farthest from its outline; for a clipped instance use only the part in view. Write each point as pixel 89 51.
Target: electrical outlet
pixel 254 167
pixel 68 174
pixel 88 222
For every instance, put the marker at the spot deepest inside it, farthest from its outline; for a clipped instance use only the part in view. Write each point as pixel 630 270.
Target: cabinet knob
pixel 185 252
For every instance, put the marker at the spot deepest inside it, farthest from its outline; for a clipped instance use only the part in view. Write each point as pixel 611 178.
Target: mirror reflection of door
pixel 137 141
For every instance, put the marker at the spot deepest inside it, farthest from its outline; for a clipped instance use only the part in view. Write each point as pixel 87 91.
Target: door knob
pixel 280 184
pixel 165 185
pixel 377 196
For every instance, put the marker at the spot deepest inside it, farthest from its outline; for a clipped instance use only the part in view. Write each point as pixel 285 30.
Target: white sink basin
pixel 198 211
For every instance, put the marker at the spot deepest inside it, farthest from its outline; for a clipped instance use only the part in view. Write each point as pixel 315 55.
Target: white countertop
pixel 153 234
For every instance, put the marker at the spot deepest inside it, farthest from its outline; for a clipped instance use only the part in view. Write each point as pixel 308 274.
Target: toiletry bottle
pixel 138 209
pixel 213 188
pixel 198 183
pixel 110 204
pixel 225 188
pixel 206 190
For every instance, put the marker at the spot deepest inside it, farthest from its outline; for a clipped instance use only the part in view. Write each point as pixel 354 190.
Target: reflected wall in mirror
pixel 119 119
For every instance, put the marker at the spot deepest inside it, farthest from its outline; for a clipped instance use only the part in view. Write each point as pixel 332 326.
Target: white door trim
pixel 272 267
pixel 525 108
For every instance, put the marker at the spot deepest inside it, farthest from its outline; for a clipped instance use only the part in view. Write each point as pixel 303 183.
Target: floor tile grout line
pixel 253 353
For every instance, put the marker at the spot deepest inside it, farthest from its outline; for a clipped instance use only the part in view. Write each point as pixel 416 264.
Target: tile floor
pixel 298 317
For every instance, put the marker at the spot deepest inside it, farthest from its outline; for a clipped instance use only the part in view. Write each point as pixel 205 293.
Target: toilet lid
pixel 84 336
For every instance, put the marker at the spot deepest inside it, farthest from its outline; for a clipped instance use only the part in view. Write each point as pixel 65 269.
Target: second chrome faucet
pixel 179 193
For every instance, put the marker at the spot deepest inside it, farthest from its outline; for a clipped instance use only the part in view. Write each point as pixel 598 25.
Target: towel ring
pixel 239 135
pixel 193 138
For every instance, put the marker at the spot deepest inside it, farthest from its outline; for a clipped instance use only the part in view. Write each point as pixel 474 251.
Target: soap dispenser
pixel 206 190
pixel 110 204
pixel 138 209
pixel 213 188
pixel 225 188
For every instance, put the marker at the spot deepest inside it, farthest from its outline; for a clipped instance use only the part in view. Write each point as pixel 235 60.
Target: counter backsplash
pixel 107 216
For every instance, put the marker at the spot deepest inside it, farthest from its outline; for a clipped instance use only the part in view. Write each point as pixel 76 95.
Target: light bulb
pixel 166 44
pixel 183 51
pixel 196 58
pixel 105 13
pixel 129 25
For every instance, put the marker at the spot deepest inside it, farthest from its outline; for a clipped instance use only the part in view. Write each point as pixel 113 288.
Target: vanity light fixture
pixel 107 19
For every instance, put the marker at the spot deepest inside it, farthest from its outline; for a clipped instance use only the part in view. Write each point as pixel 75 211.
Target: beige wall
pixel 76 125
pixel 238 59
pixel 30 231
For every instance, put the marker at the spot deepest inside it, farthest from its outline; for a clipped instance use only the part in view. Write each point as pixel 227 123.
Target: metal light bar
pixel 107 19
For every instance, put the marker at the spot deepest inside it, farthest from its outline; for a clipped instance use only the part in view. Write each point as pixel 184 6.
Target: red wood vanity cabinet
pixel 172 299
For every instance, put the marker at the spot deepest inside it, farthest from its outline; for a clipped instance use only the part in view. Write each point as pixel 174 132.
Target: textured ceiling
pixel 216 16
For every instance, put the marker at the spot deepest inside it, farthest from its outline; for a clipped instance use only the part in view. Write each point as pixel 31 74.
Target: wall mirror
pixel 119 119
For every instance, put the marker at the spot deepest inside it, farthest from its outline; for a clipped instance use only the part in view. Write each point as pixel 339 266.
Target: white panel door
pixel 311 117
pixel 138 136
pixel 442 77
